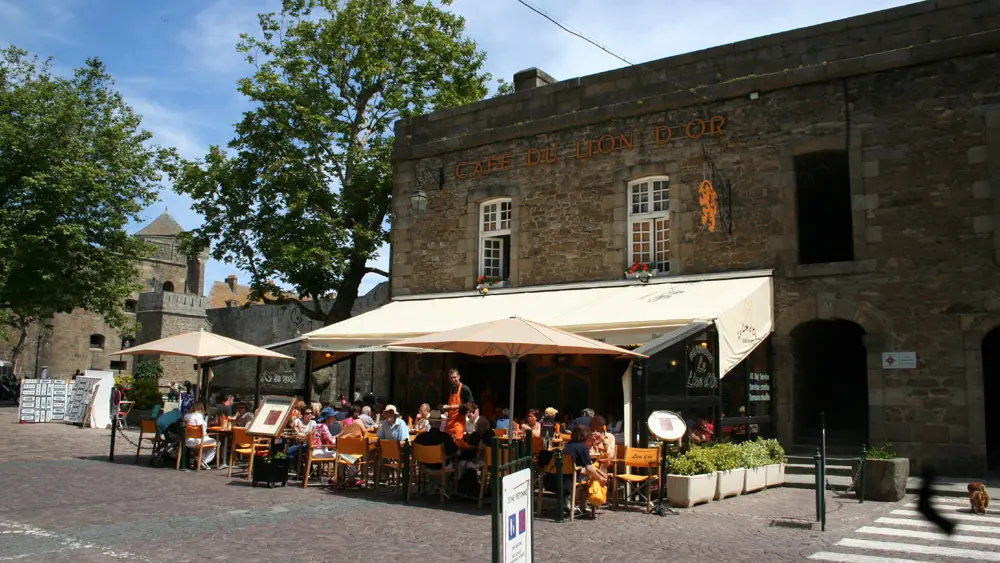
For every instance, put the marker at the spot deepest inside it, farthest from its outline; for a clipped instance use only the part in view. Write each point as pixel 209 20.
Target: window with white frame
pixel 649 222
pixel 494 239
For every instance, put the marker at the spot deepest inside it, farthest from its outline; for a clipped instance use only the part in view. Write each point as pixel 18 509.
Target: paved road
pixel 60 500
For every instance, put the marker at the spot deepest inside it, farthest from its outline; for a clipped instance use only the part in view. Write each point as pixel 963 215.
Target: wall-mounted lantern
pixel 419 201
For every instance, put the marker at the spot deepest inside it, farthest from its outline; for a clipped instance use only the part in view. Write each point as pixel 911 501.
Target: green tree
pixel 75 169
pixel 303 199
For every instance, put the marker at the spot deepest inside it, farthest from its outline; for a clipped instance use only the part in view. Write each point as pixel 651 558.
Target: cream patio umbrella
pixel 200 345
pixel 514 338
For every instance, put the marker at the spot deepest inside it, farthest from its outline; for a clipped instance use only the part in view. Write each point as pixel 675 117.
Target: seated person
pixel 243 415
pixel 435 436
pixel 393 427
pixel 304 425
pixel 355 428
pixel 366 417
pixel 196 417
pixel 323 438
pixel 578 450
pixel 531 424
pixel 702 432
pixel 420 424
pixel 503 423
pixel 602 443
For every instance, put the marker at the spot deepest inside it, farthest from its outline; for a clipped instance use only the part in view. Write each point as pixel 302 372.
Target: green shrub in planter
pixel 755 454
pixel 726 457
pixel 151 370
pixel 697 461
pixel 774 450
pixel 146 394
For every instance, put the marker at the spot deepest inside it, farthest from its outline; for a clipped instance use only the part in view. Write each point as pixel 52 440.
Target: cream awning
pixel 619 313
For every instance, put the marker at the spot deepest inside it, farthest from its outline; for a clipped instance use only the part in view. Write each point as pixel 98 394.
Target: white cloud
pixel 211 38
pixel 46 20
pixel 170 127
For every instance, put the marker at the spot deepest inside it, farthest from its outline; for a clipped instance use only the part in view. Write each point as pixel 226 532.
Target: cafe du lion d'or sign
pixel 587 148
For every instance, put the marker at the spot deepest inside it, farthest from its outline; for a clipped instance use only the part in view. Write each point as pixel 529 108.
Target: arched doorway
pixel 831 376
pixel 991 396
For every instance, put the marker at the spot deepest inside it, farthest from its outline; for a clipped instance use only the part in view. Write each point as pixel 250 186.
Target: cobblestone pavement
pixel 62 501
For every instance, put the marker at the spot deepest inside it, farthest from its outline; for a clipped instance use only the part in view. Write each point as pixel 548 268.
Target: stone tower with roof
pixel 170 302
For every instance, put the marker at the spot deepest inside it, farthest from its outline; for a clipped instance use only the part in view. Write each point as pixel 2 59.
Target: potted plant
pixel 489 281
pixel 775 469
pixel 885 474
pixel 691 478
pixel 755 459
pixel 271 468
pixel 641 272
pixel 145 390
pixel 728 461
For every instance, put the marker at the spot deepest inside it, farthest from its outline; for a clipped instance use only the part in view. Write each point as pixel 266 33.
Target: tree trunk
pixel 21 324
pixel 348 294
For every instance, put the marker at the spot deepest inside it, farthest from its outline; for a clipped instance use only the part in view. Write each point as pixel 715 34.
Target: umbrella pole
pixel 513 374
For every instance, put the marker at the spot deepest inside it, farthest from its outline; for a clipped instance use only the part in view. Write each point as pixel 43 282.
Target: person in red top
pixel 703 431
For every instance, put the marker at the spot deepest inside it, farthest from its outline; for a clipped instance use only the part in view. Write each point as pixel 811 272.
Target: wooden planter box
pixel 756 479
pixel 685 491
pixel 775 474
pixel 885 479
pixel 271 472
pixel 730 483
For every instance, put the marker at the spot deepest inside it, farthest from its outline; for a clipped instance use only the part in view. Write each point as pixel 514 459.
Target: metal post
pixel 497 529
pixel 309 377
pixel 352 379
pixel 819 486
pixel 861 471
pixel 111 454
pixel 405 452
pixel 822 468
pixel 559 484
pixel 257 376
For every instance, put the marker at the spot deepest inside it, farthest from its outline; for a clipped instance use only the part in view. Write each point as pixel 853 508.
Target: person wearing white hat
pixel 393 427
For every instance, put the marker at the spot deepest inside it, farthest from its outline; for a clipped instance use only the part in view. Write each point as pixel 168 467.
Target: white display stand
pixel 90 403
pixel 43 400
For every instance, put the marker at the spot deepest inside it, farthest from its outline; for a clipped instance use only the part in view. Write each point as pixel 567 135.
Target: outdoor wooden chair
pixel 389 457
pixel 644 459
pixel 310 459
pixel 196 432
pixel 148 433
pixel 499 432
pixel 351 452
pixel 423 455
pixel 486 473
pixel 245 445
pixel 568 469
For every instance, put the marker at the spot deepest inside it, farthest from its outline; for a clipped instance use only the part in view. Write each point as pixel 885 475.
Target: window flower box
pixel 641 272
pixel 490 282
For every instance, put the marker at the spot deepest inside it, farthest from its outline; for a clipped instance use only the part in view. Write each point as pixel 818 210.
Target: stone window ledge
pixel 833 269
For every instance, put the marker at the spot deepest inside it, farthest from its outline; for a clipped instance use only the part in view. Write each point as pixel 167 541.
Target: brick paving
pixel 62 501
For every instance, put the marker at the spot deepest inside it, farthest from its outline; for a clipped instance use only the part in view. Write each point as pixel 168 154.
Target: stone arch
pixel 168 286
pixel 879 335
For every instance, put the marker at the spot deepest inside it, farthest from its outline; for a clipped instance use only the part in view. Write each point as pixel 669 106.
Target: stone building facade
pixel 863 157
pixel 268 324
pixel 168 303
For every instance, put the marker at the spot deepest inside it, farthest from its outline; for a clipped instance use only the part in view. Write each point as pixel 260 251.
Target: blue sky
pixel 176 64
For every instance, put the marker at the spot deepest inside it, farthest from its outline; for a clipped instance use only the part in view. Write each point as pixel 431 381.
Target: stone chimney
pixel 531 78
pixel 231 282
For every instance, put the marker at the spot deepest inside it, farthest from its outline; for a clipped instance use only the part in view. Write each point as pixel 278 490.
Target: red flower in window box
pixel 638 267
pixel 487 280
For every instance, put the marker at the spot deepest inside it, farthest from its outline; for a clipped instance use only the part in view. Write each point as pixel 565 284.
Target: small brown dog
pixel 978 497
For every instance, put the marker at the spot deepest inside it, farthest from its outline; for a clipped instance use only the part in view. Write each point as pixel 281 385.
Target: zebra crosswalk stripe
pixel 903 535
